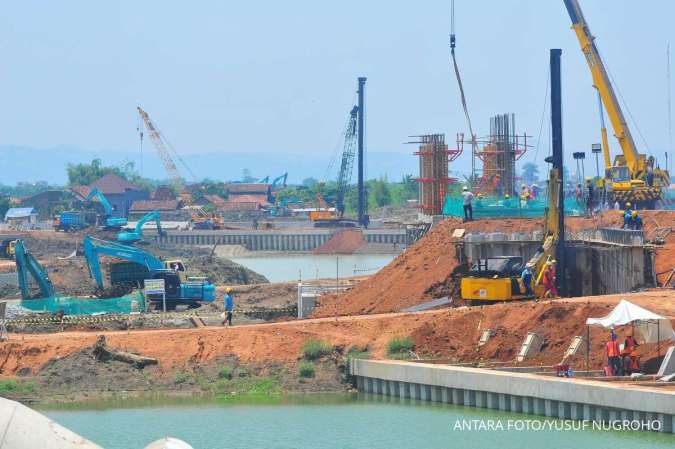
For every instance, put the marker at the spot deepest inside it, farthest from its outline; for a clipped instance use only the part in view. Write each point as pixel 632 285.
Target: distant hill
pixel 33 164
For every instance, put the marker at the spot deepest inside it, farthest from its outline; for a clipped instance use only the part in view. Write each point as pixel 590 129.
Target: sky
pixel 280 77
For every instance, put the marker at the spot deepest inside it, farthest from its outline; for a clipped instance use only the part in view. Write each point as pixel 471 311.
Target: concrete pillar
pixel 550 408
pixel 588 412
pixel 504 402
pixel 564 410
pixel 470 398
pixel 446 395
pixel 402 390
pixel 481 399
pixel 516 404
pixel 614 415
pixel 527 405
pixel 434 395
pixel 457 396
pixel 538 407
pixel 576 411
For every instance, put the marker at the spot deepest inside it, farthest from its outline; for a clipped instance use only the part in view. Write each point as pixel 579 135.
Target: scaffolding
pixel 498 153
pixel 434 159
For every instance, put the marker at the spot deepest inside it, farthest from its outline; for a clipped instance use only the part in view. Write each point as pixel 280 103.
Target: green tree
pixel 530 173
pixel 379 193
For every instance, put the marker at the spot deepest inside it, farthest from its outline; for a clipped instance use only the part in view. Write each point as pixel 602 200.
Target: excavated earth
pixel 429 268
pixel 450 335
pixel 70 275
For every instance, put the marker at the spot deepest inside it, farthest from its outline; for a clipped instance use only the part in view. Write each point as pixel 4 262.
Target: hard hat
pixel 554 261
pixel 465 188
pixel 633 214
pixel 628 204
pixel 524 185
pixel 228 289
pixel 507 196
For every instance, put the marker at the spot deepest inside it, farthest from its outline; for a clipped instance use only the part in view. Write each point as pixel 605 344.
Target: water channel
pixel 337 421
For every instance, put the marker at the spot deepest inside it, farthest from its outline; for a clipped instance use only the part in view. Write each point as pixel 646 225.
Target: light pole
pixel 579 155
pixel 596 149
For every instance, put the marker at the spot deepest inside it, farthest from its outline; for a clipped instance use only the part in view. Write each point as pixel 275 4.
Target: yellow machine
pixel 633 177
pixel 8 248
pixel 498 278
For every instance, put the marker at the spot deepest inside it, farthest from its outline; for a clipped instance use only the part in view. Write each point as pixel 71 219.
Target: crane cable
pixel 459 78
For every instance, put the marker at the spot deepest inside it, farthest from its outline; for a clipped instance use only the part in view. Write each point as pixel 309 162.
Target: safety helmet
pixel 507 196
pixel 633 214
pixel 554 261
pixel 524 185
pixel 628 204
pixel 465 188
pixel 228 289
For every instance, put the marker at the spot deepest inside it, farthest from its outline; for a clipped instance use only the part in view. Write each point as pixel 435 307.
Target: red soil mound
pixel 345 241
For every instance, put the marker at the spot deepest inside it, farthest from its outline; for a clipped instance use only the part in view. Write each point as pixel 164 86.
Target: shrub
pixel 306 370
pixel 314 349
pixel 16 386
pixel 181 377
pixel 225 372
pixel 400 346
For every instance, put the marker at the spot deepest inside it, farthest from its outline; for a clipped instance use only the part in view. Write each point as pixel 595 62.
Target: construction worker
pixel 635 222
pixel 228 304
pixel 507 200
pixel 631 363
pixel 630 343
pixel 614 355
pixel 589 196
pixel 627 218
pixel 468 208
pixel 548 280
pixel 527 276
pixel 524 195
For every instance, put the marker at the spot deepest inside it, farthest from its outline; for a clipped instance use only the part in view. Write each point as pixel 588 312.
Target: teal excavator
pixel 109 222
pixel 136 235
pixel 27 266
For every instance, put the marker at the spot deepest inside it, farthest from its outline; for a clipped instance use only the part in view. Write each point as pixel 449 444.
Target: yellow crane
pixel 633 177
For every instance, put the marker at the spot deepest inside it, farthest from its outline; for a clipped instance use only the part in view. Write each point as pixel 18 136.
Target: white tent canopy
pixel 645 322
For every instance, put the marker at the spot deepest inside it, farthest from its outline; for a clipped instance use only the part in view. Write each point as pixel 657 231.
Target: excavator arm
pixel 95 193
pixel 137 233
pixel 94 248
pixel 27 265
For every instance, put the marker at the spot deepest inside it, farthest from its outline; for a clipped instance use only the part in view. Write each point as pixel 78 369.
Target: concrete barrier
pixel 305 240
pixel 517 392
pixel 24 428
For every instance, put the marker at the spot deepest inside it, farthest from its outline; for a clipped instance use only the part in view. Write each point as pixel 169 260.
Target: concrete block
pixel 504 402
pixel 528 405
pixel 470 398
pixel 23 428
pixel 402 390
pixel 564 410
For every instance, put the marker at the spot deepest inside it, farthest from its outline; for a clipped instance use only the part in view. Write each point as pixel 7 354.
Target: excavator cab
pixel 493 279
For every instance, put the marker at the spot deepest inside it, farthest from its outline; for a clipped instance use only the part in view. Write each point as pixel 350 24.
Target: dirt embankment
pixel 428 269
pixel 448 334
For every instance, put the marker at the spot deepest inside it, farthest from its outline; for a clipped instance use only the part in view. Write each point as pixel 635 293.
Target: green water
pixel 345 422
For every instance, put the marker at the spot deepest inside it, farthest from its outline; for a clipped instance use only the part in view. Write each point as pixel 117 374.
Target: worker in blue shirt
pixel 228 302
pixel 526 276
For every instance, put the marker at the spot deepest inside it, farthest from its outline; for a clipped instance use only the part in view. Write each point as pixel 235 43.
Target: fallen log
pixel 103 353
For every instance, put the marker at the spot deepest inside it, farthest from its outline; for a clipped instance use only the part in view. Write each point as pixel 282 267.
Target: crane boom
pixel 347 162
pixel 603 84
pixel 176 179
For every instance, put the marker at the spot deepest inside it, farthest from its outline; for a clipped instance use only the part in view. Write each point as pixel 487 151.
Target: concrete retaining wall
pixel 515 392
pixel 274 241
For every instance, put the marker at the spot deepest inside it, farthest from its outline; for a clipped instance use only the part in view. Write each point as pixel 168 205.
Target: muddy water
pixel 348 421
pixel 283 268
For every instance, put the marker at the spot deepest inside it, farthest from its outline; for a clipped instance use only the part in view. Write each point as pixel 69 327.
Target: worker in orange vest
pixel 614 355
pixel 631 363
pixel 630 343
pixel 548 280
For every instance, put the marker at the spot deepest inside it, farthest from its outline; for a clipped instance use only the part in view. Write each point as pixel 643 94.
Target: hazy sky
pixel 268 76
